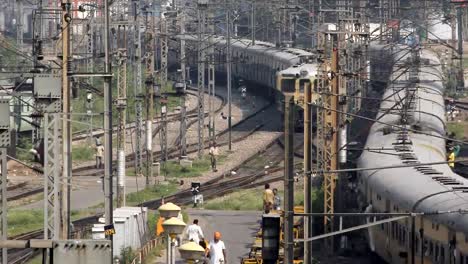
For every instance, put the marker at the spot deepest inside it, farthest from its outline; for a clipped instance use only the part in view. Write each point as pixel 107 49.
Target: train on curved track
pixel 273 71
pixel 410 136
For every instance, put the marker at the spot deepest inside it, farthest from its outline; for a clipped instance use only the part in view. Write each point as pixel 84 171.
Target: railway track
pixel 250 174
pixel 20 256
pixel 241 130
pixel 246 177
pixel 80 135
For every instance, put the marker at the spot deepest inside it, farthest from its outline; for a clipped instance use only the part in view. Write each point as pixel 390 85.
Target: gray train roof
pixel 286 55
pixel 426 188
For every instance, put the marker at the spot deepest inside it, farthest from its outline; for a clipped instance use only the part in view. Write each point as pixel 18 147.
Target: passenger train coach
pixel 272 71
pixel 412 138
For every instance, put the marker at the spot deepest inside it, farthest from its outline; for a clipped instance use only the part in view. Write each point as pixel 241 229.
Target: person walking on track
pixel 99 156
pixel 194 232
pixel 268 199
pixel 217 252
pixel 213 156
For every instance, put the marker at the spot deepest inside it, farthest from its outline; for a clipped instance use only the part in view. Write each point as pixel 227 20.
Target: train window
pixel 288 85
pixel 379 197
pixel 302 83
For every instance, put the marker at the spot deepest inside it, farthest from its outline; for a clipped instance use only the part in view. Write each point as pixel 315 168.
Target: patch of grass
pixel 150 193
pixel 246 200
pixel 199 166
pixel 81 153
pixel 22 221
pixel 35 260
pixel 251 200
pixel 465 63
pixel 457 128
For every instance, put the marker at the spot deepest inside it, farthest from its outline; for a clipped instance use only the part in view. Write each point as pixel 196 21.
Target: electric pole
pixel 164 49
pixel 211 81
pixel 108 183
pixel 4 144
pixel 202 8
pixel 183 118
pixel 149 62
pixel 461 81
pixel 163 81
pixel 288 179
pixel 308 174
pixel 121 105
pixel 252 23
pixel 137 83
pixel 66 129
pixel 19 25
pixel 228 71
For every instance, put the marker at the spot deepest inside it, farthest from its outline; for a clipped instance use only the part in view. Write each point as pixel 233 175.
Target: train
pixel 408 140
pixel 274 72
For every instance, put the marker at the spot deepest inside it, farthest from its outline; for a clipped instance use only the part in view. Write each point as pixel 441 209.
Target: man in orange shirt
pixel 159 226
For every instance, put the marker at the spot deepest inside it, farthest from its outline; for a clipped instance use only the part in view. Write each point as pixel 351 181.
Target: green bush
pixel 81 153
pixel 127 255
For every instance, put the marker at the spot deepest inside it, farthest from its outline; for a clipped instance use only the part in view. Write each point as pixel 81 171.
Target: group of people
pixel 271 199
pixel 215 250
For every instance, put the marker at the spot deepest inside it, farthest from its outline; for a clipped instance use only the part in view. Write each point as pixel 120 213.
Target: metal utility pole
pixel 137 75
pixel 460 78
pixel 202 8
pixel 288 179
pixel 19 25
pixel 308 174
pixel 121 105
pixel 51 176
pixel 149 63
pixel 108 192
pixel 252 23
pixel 329 148
pixel 183 112
pixel 211 83
pixel 163 130
pixel 4 207
pixel 164 50
pixel 381 19
pixel 229 72
pixel 66 128
pixel 4 144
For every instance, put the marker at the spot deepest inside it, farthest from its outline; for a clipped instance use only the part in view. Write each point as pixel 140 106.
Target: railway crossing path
pixel 238 229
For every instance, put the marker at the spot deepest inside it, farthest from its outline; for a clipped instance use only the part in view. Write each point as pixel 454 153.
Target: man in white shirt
pixel 194 232
pixel 217 250
pixel 213 156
